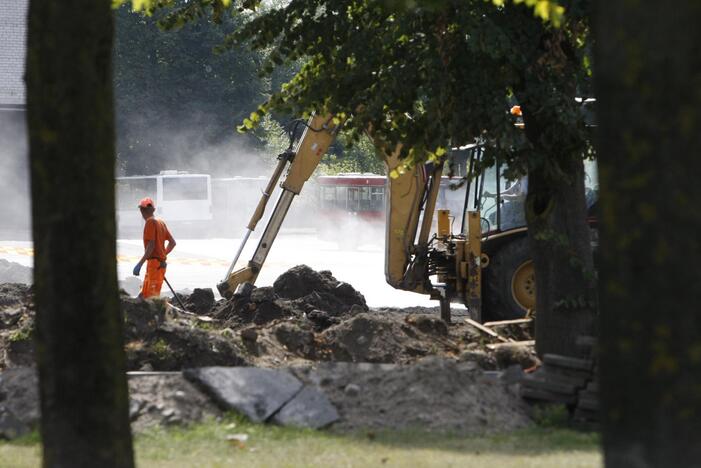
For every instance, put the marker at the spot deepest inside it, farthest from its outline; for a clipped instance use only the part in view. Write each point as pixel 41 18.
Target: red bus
pixel 351 208
pixel 353 194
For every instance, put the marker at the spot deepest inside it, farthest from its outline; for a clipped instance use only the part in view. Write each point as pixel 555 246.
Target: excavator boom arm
pixel 318 135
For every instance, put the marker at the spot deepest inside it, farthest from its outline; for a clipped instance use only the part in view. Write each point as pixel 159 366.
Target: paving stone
pixel 309 408
pixel 255 392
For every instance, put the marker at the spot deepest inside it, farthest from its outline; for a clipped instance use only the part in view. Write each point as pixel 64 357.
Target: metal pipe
pixel 498 199
pixel 283 159
pixel 238 253
pixel 262 203
pixel 273 227
pixel 470 170
pixel 430 206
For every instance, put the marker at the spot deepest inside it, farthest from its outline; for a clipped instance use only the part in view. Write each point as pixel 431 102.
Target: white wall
pixel 13 31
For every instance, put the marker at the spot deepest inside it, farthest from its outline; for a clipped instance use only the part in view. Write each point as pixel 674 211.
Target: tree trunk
pixel 560 240
pixel 648 77
pixel 556 213
pixel 84 402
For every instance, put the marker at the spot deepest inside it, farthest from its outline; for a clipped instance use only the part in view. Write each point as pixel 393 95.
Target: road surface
pixel 202 263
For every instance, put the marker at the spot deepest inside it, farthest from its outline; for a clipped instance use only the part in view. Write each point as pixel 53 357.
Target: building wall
pixel 13 31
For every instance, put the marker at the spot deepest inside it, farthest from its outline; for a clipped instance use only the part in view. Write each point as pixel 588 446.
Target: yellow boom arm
pixel 318 135
pixel 410 257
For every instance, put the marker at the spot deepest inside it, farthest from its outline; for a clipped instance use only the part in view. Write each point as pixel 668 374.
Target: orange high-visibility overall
pixel 157 231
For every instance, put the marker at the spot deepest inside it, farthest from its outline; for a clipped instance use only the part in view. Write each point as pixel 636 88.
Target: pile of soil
pixel 11 272
pixel 306 316
pixel 395 368
pixel 299 293
pixel 166 400
pixel 432 394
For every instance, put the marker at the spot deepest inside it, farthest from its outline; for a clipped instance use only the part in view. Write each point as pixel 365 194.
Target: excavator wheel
pixel 508 283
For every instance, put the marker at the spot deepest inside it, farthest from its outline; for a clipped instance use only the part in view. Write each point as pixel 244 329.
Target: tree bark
pixel 560 240
pixel 84 401
pixel 556 213
pixel 648 80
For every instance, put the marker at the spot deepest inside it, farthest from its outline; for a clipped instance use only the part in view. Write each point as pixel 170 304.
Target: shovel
pixel 177 298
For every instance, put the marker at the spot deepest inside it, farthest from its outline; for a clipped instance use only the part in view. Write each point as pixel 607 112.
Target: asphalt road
pixel 202 263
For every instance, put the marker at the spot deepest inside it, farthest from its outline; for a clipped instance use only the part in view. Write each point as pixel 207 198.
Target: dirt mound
pixel 434 394
pixel 306 316
pixel 11 272
pixel 301 281
pixel 156 341
pixel 200 301
pixel 16 325
pixel 14 294
pixel 300 293
pixel 369 337
pixel 166 400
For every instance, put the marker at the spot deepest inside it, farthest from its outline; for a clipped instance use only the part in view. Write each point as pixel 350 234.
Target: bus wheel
pixel 508 283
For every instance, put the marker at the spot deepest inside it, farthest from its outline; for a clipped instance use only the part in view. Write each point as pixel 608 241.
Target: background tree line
pixel 177 101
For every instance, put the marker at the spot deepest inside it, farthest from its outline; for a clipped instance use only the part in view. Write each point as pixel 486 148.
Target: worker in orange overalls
pixel 155 250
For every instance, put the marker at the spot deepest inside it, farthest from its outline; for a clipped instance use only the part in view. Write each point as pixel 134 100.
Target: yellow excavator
pixel 449 267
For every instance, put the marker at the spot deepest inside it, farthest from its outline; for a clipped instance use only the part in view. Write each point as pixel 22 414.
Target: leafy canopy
pixel 428 75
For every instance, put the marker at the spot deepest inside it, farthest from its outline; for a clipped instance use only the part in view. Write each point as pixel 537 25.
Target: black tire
pixel 498 302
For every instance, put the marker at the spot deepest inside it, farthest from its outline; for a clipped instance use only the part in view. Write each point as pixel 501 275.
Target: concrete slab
pixel 309 408
pixel 255 392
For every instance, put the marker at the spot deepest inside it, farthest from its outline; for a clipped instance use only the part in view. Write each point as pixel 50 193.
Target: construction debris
pixel 571 381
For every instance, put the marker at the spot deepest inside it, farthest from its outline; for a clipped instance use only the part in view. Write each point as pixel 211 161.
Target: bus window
pixel 130 191
pixel 184 188
pixel 328 196
pixel 377 198
pixel 353 198
pixel 364 198
pixel 342 198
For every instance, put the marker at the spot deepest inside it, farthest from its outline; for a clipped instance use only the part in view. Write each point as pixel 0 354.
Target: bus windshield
pixel 185 188
pixel 131 190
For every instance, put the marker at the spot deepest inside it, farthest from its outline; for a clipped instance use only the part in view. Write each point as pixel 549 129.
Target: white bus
pixel 183 200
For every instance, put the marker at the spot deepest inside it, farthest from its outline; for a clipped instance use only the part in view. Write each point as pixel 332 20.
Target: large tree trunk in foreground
pixel 84 402
pixel 648 73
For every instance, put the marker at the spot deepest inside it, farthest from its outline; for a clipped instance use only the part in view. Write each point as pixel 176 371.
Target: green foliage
pixel 22 334
pixel 161 349
pixel 173 93
pixel 431 75
pixel 349 156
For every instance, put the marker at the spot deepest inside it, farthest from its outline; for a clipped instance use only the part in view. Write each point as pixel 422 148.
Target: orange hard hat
pixel 146 202
pixel 516 110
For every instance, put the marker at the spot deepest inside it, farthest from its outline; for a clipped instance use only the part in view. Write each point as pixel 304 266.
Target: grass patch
pixel 206 445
